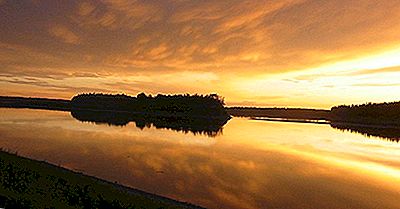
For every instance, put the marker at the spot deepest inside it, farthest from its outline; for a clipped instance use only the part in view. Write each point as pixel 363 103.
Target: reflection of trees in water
pixel 387 133
pixel 205 126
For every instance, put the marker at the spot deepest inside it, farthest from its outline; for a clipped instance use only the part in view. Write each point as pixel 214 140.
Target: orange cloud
pixel 117 14
pixel 86 8
pixel 245 43
pixel 64 34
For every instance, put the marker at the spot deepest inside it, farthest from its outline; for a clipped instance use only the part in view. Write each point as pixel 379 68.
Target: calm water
pixel 252 164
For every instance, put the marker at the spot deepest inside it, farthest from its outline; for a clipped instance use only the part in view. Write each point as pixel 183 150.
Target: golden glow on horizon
pixel 385 59
pixel 339 75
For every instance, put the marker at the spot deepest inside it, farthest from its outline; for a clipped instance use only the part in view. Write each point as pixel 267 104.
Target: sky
pixel 292 53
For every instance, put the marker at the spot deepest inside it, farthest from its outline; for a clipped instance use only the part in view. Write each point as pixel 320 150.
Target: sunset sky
pixel 295 53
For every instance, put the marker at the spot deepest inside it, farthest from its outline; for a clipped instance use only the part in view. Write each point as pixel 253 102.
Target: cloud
pixel 23 60
pixel 229 35
pixel 117 14
pixel 86 8
pixel 248 37
pixel 64 34
pixel 376 84
pixel 263 37
pixel 235 40
pixel 395 69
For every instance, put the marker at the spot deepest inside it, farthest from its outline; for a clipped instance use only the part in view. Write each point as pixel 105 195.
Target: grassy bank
pixel 26 183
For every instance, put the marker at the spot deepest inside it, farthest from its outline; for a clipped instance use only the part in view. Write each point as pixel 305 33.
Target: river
pixel 247 164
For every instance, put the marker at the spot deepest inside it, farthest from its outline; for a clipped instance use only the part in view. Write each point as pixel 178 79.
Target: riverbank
pixel 288 120
pixel 368 116
pixel 26 183
pixel 288 113
pixel 35 103
pixel 387 132
pixel 205 113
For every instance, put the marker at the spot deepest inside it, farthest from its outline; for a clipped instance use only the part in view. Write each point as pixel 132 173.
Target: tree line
pixel 387 113
pixel 210 105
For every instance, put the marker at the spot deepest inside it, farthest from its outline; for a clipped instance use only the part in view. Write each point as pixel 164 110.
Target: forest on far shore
pixel 209 106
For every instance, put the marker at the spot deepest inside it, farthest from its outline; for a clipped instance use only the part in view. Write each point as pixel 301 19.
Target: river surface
pixel 249 164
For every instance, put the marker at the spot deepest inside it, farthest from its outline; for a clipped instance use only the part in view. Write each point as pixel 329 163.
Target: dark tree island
pixel 199 106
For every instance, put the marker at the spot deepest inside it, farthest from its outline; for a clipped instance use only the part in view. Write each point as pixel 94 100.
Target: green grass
pixel 26 183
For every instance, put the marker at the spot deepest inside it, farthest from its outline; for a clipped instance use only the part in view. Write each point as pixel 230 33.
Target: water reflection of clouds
pixel 253 165
pixel 309 137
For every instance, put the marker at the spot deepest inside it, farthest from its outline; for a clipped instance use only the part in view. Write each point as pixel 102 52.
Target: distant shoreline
pixel 299 115
pixel 66 105
pixel 288 120
pixel 350 124
pixel 340 115
pixel 183 113
pixel 288 113
pixel 35 103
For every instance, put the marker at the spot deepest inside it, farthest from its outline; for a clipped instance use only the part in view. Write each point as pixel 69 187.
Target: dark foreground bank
pixel 26 183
